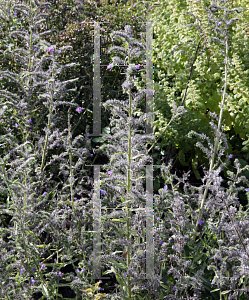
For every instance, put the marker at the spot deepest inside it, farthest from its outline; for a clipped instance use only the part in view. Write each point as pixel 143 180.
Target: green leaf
pixel 225 292
pixel 214 290
pixel 119 265
pixel 181 157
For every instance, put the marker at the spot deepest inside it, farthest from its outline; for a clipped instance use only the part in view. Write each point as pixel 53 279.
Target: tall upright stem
pixel 128 190
pixel 216 140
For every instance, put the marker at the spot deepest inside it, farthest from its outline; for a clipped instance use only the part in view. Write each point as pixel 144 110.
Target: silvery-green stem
pixel 128 189
pixel 216 141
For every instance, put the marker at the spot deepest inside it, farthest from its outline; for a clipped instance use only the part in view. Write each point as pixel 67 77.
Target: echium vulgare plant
pixel 217 218
pixel 123 190
pixel 48 227
pixel 124 195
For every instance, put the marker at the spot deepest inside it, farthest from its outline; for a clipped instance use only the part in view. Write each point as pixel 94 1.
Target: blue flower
pixel 55 260
pixel 110 172
pixel 174 288
pixel 102 192
pixel 247 189
pixel 44 194
pixel 79 109
pixel 32 280
pixel 219 23
pixel 42 267
pixel 9 129
pixel 201 222
pixel 231 156
pixel 21 271
pixel 15 13
pixel 165 187
pixel 30 121
pixel 158 218
pixel 60 273
pixel 16 125
pixel 58 144
pixel 212 282
pixel 219 258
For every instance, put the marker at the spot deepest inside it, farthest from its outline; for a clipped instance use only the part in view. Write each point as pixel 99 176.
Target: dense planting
pixel 51 182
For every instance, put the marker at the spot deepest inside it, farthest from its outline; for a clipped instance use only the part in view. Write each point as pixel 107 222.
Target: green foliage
pixel 175 45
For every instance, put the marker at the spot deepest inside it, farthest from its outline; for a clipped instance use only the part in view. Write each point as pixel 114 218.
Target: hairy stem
pixel 216 141
pixel 128 190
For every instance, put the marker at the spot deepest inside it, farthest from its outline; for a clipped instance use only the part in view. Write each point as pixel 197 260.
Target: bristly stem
pixel 128 190
pixel 70 159
pixel 216 140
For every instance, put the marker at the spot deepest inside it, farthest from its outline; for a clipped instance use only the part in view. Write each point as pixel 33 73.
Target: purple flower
pixel 102 192
pixel 138 66
pixel 171 240
pixel 81 270
pixel 91 155
pixel 33 270
pixel 212 282
pixel 231 156
pixel 167 220
pixel 75 198
pixel 15 13
pixel 219 258
pixel 174 288
pixel 44 194
pixel 30 121
pixel 148 92
pixel 60 273
pixel 85 138
pixel 79 109
pixel 17 153
pixel 158 218
pixel 201 222
pixel 125 274
pixel 2 120
pixel 219 23
pixel 58 144
pixel 32 280
pixel 42 267
pixel 55 260
pixel 161 242
pixel 46 6
pixel 165 187
pixel 9 129
pixel 247 189
pixel 49 50
pixel 110 66
pixel 110 172
pixel 16 125
pixel 21 271
pixel 134 5
pixel 35 48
